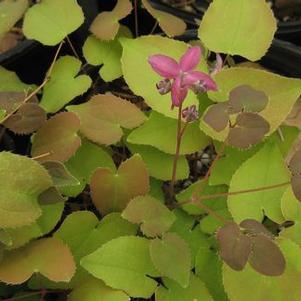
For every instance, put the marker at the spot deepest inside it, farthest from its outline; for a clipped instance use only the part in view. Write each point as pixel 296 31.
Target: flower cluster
pixel 180 77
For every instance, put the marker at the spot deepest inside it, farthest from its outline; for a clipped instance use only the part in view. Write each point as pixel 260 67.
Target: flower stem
pixel 180 133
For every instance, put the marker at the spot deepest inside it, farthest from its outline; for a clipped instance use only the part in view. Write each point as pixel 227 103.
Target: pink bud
pixel 164 86
pixel 190 114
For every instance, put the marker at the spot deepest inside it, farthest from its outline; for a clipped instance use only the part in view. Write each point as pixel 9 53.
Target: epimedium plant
pixel 110 202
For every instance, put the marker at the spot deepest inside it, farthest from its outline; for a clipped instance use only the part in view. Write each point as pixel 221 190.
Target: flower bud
pixel 190 114
pixel 164 86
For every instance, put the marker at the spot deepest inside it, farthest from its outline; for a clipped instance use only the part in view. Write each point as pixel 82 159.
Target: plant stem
pixel 136 18
pixel 41 156
pixel 72 47
pixel 154 28
pixel 177 154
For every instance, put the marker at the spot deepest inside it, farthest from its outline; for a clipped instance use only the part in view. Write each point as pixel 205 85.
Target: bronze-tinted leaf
pixel 254 227
pixel 217 116
pixel 245 98
pixel 9 100
pixel 266 257
pixel 170 24
pixel 103 116
pixel 58 137
pixel 105 26
pixel 50 196
pixel 112 191
pixel 250 129
pixel 235 247
pixel 29 118
pixel 295 167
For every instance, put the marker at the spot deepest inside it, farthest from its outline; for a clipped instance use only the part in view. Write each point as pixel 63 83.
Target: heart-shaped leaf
pixel 19 192
pixel 64 85
pixel 295 167
pixel 154 217
pixel 49 25
pixel 57 137
pixel 103 116
pixel 113 191
pixel 48 256
pixel 124 263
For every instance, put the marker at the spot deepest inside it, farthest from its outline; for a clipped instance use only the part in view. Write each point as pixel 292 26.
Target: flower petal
pixel 190 59
pixel 178 92
pixel 194 77
pixel 164 65
pixel 218 66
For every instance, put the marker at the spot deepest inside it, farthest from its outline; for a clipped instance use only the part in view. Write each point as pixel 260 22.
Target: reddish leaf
pixel 254 227
pixel 250 129
pixel 266 257
pixel 105 26
pixel 217 116
pixel 245 98
pixel 50 196
pixel 295 167
pixel 235 247
pixel 29 118
pixel 9 100
pixel 103 116
pixel 58 137
pixel 112 192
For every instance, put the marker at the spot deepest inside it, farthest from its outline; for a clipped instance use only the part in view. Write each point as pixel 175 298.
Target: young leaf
pixel 19 191
pixel 59 174
pixel 64 84
pixel 86 159
pixel 95 289
pixel 45 23
pixel 171 256
pixel 160 164
pixel 250 129
pixel 280 288
pixel 235 247
pixel 112 192
pixel 160 132
pixel 172 291
pixel 217 116
pixel 170 24
pixel 154 217
pixel 225 28
pixel 58 137
pixel 266 257
pixel 11 12
pixel 106 53
pixel 124 263
pixel 264 169
pixel 48 256
pixel 29 118
pixel 142 79
pixel 103 116
pixel 106 25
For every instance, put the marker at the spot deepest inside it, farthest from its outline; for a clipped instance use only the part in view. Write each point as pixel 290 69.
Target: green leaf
pixel 49 25
pixel 160 164
pixel 238 27
pixel 95 289
pixel 166 252
pixel 284 287
pixel 142 79
pixel 11 12
pixel 57 137
pixel 154 218
pixel 113 191
pixel 103 116
pixel 160 132
pixel 276 87
pixel 10 82
pixel 106 53
pixel 171 291
pixel 208 268
pixel 51 214
pixel 86 159
pixel 2 114
pixel 265 168
pixel 43 256
pixel 156 189
pixel 124 263
pixel 64 84
pixel 19 191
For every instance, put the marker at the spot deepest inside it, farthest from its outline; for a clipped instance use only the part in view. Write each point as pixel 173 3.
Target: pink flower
pixel 180 77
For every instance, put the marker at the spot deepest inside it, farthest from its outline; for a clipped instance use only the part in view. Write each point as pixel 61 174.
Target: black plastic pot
pixel 30 59
pixel 282 57
pixel 287 31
